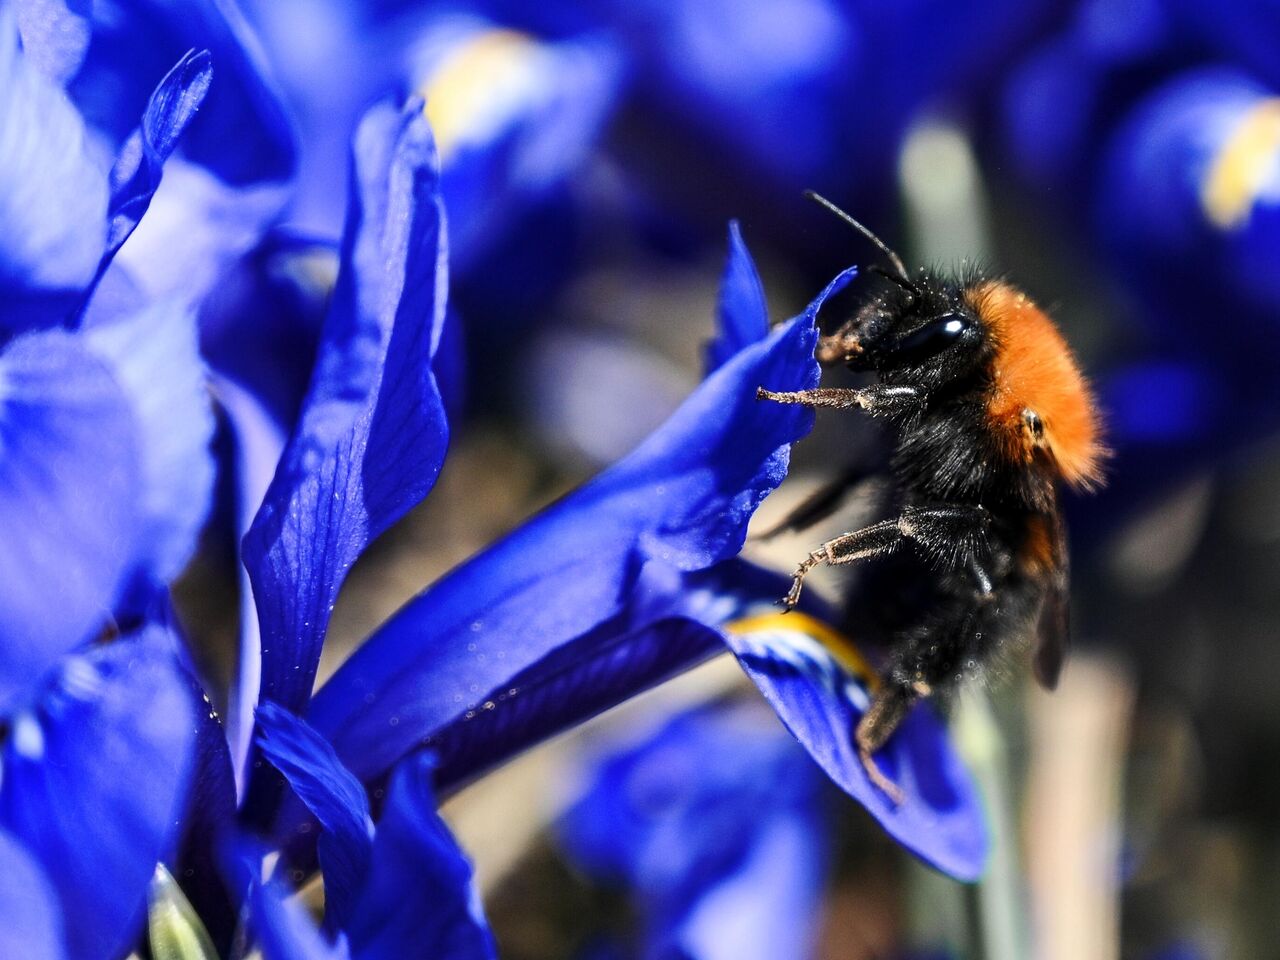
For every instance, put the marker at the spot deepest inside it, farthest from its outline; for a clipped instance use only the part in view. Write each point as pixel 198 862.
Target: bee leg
pixel 953 536
pixel 947 533
pixel 877 725
pixel 878 398
pixel 835 397
pixel 872 541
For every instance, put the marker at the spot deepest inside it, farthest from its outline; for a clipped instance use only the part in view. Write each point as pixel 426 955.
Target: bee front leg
pixel 878 398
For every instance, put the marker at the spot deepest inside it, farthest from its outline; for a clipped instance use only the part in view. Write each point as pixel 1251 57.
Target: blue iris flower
pixel 105 482
pixel 616 587
pixel 717 823
pixel 623 583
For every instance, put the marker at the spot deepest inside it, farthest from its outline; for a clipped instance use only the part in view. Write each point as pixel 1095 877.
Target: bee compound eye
pixel 931 339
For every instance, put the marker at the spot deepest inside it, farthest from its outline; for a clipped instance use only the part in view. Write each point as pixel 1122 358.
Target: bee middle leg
pixel 873 541
pixel 953 532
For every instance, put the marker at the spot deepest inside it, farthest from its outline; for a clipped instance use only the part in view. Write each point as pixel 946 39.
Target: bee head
pixel 923 329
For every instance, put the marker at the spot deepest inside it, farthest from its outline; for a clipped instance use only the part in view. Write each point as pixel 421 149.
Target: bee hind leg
pixel 887 710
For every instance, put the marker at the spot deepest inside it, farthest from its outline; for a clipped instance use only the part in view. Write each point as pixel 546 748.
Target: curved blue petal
pixel 335 798
pixel 155 357
pixel 683 498
pixel 599 670
pixel 53 197
pixel 283 929
pixel 419 899
pixel 820 688
pixel 259 441
pixel 242 135
pixel 372 434
pixel 30 920
pixel 95 777
pixel 742 314
pixel 69 469
pixel 138 169
pixel 55 35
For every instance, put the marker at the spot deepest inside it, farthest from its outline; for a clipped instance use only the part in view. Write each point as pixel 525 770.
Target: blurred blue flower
pixel 108 478
pixel 1189 199
pixel 516 120
pixel 716 823
pixel 69 815
pixel 104 487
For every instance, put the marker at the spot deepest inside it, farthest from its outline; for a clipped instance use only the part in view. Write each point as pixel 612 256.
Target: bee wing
pixel 821 504
pixel 1053 626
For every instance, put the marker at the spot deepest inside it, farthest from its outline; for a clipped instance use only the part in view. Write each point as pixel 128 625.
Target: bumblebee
pixel 990 417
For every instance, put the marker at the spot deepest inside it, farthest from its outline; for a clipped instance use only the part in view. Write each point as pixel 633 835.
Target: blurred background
pixel 1120 160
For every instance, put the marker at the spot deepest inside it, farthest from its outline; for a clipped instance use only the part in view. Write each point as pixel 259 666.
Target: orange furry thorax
pixel 1033 370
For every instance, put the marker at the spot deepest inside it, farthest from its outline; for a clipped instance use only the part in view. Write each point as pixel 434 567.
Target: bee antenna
pixel 894 259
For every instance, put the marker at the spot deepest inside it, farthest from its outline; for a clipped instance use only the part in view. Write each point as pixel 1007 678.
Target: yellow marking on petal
pixel 462 86
pixel 841 647
pixel 1243 166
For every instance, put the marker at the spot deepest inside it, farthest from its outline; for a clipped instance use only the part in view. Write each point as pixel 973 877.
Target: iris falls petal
pixel 334 797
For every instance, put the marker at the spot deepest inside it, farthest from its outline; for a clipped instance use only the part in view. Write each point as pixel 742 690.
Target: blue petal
pixel 259 442
pixel 68 478
pixel 209 820
pixel 821 698
pixel 585 677
pixel 710 835
pixel 419 899
pixel 770 907
pixel 55 35
pixel 137 170
pixel 94 782
pixel 372 434
pixel 514 118
pixel 684 498
pixel 335 798
pixel 283 929
pixel 155 358
pixel 742 314
pixel 30 921
pixel 242 135
pixel 53 198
